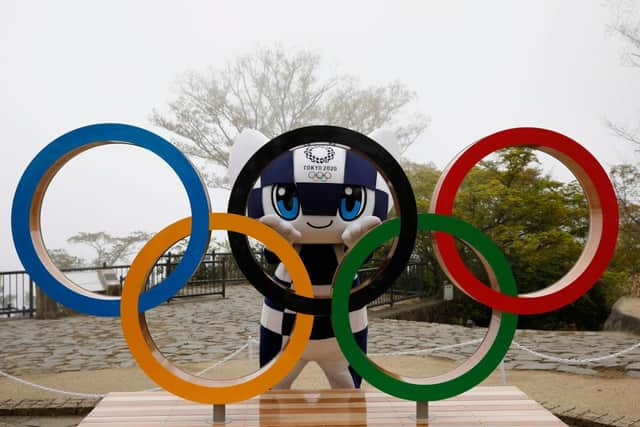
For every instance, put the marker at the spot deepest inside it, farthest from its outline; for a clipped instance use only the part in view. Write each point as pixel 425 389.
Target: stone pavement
pixel 206 329
pixel 31 421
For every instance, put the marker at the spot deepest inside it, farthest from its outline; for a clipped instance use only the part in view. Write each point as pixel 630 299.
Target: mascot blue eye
pixel 285 201
pixel 352 202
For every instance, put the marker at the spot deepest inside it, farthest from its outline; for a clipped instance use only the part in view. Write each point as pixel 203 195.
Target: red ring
pixel 603 221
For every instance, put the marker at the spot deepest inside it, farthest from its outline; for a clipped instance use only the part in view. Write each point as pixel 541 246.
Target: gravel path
pixel 210 328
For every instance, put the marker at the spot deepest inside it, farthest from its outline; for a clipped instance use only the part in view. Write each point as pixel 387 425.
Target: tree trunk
pixel 46 308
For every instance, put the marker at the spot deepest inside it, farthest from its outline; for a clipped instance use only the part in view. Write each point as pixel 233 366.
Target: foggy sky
pixel 477 67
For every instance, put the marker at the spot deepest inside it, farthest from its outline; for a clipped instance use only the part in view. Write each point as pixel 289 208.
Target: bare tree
pixel 626 26
pixel 624 131
pixel 273 90
pixel 63 259
pixel 110 249
pixel 626 180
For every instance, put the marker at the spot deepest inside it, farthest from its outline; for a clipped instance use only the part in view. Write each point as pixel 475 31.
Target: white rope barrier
pixel 428 350
pixel 250 342
pixel 576 361
pixel 215 365
pixel 50 389
pixel 225 360
pixel 521 347
pixel 99 396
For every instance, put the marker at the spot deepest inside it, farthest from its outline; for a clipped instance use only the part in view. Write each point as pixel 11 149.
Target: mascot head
pixel 319 188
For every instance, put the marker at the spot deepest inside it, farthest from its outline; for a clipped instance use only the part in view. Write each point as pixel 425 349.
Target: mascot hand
pixel 283 227
pixel 359 228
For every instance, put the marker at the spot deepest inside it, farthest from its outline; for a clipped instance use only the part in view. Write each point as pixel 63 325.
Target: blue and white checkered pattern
pixel 321 173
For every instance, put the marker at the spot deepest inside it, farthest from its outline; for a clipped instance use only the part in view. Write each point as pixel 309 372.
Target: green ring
pixel 377 376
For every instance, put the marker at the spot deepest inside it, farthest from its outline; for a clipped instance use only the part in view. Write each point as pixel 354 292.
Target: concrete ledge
pixel 581 417
pixel 46 407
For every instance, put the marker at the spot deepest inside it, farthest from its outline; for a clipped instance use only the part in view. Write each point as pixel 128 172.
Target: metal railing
pixel 409 285
pixel 17 294
pixel 18 291
pixel 215 271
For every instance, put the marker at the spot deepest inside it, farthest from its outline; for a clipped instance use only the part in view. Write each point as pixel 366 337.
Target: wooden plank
pixel 482 406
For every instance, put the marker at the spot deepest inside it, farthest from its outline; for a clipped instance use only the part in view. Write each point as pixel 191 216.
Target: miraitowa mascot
pixel 322 198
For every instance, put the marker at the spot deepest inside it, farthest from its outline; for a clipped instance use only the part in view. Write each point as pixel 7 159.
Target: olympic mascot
pixel 322 198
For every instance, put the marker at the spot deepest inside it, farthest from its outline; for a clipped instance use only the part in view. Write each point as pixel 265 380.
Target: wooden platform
pixel 482 406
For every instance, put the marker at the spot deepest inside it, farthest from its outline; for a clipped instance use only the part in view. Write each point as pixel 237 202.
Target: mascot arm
pixel 359 228
pixel 285 229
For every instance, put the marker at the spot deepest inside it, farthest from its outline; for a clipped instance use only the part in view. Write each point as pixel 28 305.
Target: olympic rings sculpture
pixel 502 295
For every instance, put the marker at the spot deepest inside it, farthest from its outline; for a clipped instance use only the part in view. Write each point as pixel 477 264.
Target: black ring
pixel 388 167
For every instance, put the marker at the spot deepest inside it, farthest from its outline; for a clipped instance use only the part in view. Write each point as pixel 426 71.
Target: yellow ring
pixel 159 368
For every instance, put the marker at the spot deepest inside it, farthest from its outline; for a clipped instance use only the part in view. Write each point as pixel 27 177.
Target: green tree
pixel 624 274
pixel 626 179
pixel 273 90
pixel 539 223
pixel 423 179
pixel 625 267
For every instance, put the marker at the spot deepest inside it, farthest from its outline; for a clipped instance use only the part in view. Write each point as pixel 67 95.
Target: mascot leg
pixel 271 343
pixel 338 373
pixel 271 338
pixel 286 383
pixel 326 353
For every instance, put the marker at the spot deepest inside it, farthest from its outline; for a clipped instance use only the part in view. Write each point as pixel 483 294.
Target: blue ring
pixel 122 134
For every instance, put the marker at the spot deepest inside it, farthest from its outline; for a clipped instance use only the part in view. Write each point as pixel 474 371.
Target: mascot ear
pixel 244 146
pixel 389 141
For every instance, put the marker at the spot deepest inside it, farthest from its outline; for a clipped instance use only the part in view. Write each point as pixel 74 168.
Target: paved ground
pixel 190 331
pixel 583 400
pixel 71 421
